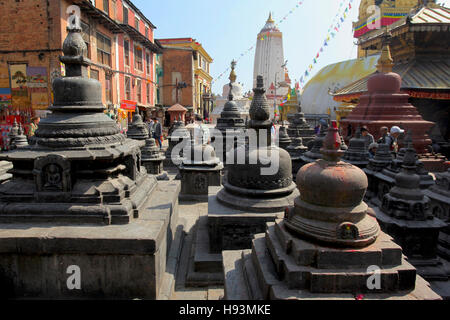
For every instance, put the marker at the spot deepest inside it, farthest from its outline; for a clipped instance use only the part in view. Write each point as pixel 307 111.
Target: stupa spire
pixel 385 63
pixel 270 19
pixel 233 75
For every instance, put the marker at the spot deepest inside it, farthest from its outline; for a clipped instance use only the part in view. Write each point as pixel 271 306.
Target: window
pixel 147 60
pixel 85 34
pixel 103 49
pixel 125 15
pixel 148 93
pixel 139 90
pixel 126 48
pixel 136 23
pixel 94 74
pixel 106 6
pixel 138 59
pixel 146 33
pixel 127 88
pixel 108 88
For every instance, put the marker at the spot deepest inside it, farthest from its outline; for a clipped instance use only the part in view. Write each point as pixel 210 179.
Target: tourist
pixel 368 138
pixel 373 147
pixel 392 139
pixel 383 134
pixel 150 127
pixel 157 132
pixel 33 126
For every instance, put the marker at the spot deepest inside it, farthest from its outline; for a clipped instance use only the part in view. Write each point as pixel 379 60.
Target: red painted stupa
pixel 385 106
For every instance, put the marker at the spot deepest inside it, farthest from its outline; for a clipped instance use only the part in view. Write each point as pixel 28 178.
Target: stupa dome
pixel 330 207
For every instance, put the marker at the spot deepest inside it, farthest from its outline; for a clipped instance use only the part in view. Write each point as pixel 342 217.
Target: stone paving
pixel 191 211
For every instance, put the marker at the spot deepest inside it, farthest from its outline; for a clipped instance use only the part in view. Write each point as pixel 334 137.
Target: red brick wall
pixel 175 60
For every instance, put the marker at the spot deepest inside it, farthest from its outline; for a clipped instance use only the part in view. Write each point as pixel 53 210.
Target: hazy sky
pixel 226 29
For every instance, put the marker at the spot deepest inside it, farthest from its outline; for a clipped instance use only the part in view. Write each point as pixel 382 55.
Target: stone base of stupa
pixel 224 228
pixel 195 181
pixel 132 261
pixel 5 166
pixel 419 242
pixel 282 266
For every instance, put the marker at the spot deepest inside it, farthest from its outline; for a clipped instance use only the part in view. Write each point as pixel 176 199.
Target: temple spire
pixel 270 20
pixel 385 63
pixel 233 75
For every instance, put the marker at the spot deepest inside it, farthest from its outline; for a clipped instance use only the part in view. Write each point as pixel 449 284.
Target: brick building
pixel 187 79
pixel 120 45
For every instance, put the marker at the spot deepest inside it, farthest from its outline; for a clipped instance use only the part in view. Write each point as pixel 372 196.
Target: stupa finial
pixel 74 47
pixel 331 149
pixel 233 75
pixel 270 19
pixel 386 63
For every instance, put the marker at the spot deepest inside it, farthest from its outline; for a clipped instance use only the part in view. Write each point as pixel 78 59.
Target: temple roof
pixel 177 107
pixel 417 75
pixel 315 98
pixel 270 25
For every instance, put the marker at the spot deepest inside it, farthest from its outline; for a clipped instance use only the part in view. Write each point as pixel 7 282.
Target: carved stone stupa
pixel 405 215
pixel 298 127
pixel 79 197
pixel 326 245
pixel 357 154
pixel 200 170
pixel 152 159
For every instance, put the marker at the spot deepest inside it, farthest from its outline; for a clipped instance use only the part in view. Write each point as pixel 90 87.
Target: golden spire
pixel 270 20
pixel 385 63
pixel 233 75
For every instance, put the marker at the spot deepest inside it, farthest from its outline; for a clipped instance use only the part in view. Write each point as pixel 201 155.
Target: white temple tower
pixel 269 61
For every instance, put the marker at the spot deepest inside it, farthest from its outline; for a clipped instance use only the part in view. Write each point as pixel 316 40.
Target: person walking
pixel 368 138
pixel 157 132
pixel 33 126
pixel 392 139
pixel 384 132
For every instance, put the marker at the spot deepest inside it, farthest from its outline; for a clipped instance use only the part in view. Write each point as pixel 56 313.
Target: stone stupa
pixel 296 149
pixel 357 154
pixel 80 197
pixel 257 188
pixel 151 157
pixel 405 215
pixel 283 138
pixel 326 246
pixel 382 160
pixel 230 124
pixel 199 170
pixel 298 127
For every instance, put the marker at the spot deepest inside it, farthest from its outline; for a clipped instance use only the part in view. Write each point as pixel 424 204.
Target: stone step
pixel 235 284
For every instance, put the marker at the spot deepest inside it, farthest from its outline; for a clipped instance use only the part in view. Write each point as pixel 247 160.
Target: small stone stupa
pixel 385 179
pixel 151 157
pixel 357 154
pixel 296 149
pixel 439 195
pixel 178 134
pixel 382 160
pixel 79 197
pixel 200 170
pixel 314 154
pixel 283 138
pixel 326 247
pixel 230 124
pixel 299 126
pixel 405 215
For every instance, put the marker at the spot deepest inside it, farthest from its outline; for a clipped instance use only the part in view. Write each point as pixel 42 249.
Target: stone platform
pixel 136 260
pixel 224 228
pixel 281 266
